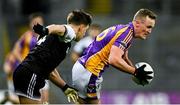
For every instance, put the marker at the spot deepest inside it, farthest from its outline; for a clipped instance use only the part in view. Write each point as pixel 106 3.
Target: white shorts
pixel 88 85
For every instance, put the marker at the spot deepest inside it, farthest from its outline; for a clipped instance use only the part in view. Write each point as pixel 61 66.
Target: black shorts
pixel 27 83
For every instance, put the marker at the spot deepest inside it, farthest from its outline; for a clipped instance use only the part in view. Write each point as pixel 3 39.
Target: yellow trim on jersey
pixel 96 62
pixel 126 39
pixel 26 47
pixel 91 95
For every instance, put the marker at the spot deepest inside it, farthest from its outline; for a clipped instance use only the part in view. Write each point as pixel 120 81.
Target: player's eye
pixel 149 26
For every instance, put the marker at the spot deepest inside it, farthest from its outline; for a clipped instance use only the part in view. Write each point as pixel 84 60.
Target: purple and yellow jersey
pixel 26 43
pixel 11 62
pixel 95 58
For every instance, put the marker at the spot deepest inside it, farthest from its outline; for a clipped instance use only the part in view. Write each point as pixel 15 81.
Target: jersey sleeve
pixel 122 45
pixel 69 35
pixel 123 40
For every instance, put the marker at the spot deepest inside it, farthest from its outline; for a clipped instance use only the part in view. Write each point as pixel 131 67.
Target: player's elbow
pixel 112 60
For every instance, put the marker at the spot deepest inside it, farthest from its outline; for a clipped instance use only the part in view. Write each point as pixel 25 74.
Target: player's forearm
pixel 121 65
pixel 127 66
pixel 126 58
pixel 129 62
pixel 116 60
pixel 56 79
pixel 56 29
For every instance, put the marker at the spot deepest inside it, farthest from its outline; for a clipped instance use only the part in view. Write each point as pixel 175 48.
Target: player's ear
pixel 137 23
pixel 81 27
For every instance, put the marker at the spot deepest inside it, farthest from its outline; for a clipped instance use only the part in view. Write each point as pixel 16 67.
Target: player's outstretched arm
pixel 64 31
pixel 55 78
pixel 56 29
pixel 51 29
pixel 70 92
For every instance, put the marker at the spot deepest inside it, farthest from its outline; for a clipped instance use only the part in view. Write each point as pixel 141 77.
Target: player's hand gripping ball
pixel 144 74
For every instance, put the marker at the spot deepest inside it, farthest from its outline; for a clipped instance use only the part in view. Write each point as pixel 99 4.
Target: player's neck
pixel 74 27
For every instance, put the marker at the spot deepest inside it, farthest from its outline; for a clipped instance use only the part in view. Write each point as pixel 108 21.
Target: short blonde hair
pixel 142 13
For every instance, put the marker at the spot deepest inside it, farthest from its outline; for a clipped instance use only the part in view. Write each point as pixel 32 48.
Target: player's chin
pixel 143 37
pixel 77 39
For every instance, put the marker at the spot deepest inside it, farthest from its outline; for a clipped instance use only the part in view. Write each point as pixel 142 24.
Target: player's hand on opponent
pixel 142 75
pixel 41 30
pixel 71 93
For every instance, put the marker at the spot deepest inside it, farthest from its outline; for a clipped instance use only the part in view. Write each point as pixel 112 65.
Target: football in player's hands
pixel 146 71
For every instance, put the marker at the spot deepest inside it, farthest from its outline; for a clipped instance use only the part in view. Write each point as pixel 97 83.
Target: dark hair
pixel 78 17
pixel 35 15
pixel 145 12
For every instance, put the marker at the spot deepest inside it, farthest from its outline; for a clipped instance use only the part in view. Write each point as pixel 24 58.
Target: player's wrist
pixel 46 31
pixel 135 72
pixel 65 87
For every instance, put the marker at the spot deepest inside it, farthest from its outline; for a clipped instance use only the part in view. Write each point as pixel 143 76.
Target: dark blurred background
pixel 161 50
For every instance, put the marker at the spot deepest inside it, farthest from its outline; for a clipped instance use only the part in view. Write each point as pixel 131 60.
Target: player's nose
pixel 149 31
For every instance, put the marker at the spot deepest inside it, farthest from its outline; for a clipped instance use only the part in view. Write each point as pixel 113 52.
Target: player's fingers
pixel 69 100
pixel 75 93
pixel 143 66
pixel 149 77
pixel 145 82
pixel 149 72
pixel 75 98
pixel 72 98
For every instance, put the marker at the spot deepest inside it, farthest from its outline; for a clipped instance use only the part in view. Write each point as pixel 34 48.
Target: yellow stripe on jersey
pixel 91 95
pixel 26 48
pixel 96 62
pixel 127 39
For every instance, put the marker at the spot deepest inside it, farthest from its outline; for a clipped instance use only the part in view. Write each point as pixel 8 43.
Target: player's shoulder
pixel 26 35
pixel 28 32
